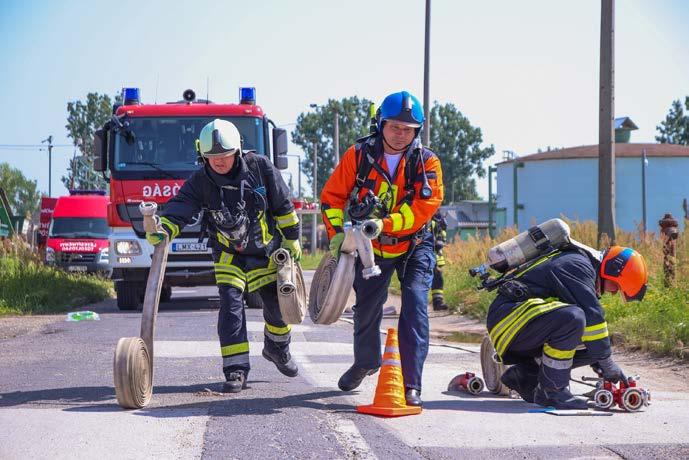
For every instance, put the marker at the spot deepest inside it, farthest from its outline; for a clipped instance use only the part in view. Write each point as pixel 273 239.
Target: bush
pixel 29 287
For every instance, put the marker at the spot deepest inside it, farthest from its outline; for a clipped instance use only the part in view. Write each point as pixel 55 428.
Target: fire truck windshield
pixel 168 143
pixel 79 227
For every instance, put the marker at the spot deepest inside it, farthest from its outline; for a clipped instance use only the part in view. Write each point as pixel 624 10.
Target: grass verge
pixel 27 286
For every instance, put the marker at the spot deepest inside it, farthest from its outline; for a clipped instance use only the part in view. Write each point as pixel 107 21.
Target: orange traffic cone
pixel 389 400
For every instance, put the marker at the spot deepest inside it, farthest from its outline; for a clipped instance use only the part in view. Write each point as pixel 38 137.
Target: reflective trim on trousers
pixel 234 349
pixel 556 363
pixel 235 359
pixel 265 280
pixel 595 332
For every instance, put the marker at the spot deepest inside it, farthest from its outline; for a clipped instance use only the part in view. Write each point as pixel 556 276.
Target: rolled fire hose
pixel 133 362
pixel 291 288
pixel 334 278
pixel 492 369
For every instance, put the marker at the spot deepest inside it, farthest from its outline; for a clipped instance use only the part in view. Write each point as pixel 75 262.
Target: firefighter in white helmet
pixel 248 214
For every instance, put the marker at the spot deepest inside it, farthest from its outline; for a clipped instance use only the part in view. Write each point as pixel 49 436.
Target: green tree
pixel 21 192
pixel 675 128
pixel 83 119
pixel 319 127
pixel 458 145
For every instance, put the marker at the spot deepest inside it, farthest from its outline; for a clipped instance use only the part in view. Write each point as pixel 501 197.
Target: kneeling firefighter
pixel 244 201
pixel 547 319
pixel 391 169
pixel 439 229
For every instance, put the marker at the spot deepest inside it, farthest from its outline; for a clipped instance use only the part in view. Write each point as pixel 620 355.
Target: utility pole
pixel 336 138
pixel 644 162
pixel 606 140
pixel 49 140
pixel 314 231
pixel 426 63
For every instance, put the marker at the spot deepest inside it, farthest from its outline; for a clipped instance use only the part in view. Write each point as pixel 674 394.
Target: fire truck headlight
pixel 127 247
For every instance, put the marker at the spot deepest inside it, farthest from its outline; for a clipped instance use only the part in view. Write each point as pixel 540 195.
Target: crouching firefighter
pixel 547 319
pixel 388 176
pixel 248 214
pixel 439 230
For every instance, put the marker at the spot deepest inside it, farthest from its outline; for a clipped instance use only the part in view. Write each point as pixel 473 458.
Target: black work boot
pixel 282 360
pixel 439 303
pixel 559 399
pixel 353 377
pixel 236 382
pixel 522 381
pixel 413 397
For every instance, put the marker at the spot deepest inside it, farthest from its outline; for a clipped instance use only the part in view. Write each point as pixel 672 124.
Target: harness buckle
pixel 387 240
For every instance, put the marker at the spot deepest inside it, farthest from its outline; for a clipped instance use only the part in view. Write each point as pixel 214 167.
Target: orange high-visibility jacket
pixel 407 215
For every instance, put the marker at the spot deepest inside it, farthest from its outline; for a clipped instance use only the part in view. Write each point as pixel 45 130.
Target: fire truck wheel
pixel 166 293
pixel 128 294
pixel 253 300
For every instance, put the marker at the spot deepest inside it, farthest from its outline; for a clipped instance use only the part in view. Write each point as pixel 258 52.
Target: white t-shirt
pixel 392 160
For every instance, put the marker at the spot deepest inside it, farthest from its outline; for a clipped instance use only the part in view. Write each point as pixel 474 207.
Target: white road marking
pixel 350 438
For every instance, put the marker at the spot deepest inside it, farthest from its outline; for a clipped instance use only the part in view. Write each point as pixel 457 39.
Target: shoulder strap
pixel 365 161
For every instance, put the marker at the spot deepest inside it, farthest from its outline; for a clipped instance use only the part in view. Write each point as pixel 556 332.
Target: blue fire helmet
pixel 402 107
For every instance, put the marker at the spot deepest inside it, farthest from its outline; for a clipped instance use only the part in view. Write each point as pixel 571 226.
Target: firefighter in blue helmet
pixel 548 319
pixel 439 230
pixel 406 176
pixel 249 214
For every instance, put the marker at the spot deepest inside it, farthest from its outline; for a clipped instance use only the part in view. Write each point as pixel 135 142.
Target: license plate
pixel 189 247
pixel 76 268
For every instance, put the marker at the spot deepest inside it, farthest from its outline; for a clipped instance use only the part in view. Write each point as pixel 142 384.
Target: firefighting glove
pixel 336 244
pixel 609 370
pixel 156 238
pixel 294 248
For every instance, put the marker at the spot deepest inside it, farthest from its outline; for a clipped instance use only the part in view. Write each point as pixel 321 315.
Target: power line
pixel 31 146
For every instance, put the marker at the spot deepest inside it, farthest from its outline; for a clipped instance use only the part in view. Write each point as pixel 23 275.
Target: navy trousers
pixel 234 343
pixel 415 272
pixel 559 329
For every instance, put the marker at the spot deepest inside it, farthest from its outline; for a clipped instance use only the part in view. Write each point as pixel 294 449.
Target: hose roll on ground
pixel 132 372
pixel 291 288
pixel 330 288
pixel 491 369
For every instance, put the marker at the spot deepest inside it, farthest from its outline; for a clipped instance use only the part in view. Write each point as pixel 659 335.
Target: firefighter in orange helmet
pixel 390 177
pixel 523 326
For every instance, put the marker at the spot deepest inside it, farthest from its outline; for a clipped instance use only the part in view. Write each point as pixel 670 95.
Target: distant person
pixel 549 320
pixel 439 230
pixel 249 214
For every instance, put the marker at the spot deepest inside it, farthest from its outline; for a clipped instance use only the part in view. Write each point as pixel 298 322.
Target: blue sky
pixel 525 72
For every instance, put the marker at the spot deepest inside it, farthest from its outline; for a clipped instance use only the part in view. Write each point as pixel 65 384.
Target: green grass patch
pixel 29 287
pixel 310 261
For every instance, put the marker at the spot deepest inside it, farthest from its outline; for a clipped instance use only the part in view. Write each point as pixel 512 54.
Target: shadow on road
pixel 100 399
pixel 481 404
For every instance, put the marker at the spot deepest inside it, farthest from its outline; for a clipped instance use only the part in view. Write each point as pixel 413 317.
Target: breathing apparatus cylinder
pixel 536 241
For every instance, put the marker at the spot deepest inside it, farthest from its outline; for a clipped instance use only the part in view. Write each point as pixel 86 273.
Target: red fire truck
pixel 147 150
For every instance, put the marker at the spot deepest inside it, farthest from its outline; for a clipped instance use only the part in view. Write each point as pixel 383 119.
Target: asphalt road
pixel 57 400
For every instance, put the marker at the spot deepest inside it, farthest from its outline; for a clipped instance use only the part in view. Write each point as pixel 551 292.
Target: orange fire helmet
pixel 626 268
